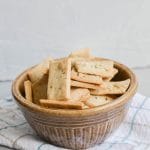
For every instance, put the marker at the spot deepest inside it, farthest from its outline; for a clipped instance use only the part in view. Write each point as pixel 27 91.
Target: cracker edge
pixel 28 90
pixel 61 104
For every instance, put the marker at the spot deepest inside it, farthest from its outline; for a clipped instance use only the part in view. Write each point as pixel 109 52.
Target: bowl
pixel 76 129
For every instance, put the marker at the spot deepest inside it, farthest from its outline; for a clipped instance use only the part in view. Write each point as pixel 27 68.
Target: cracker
pixel 38 71
pixel 114 72
pixel 97 101
pixel 59 80
pixel 86 77
pixel 84 85
pixel 118 87
pixel 82 54
pixel 40 89
pixel 74 60
pixel 45 62
pixel 102 67
pixel 85 53
pixel 28 90
pixel 79 94
pixel 61 104
pixel 85 106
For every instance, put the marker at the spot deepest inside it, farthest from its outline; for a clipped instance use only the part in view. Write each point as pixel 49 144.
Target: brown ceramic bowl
pixel 76 129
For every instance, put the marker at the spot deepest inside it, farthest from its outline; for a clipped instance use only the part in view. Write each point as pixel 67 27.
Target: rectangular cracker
pixel 79 94
pixel 28 90
pixel 102 67
pixel 85 52
pixel 97 101
pixel 114 72
pixel 75 59
pixel 84 85
pixel 61 104
pixel 40 89
pixel 85 77
pixel 118 87
pixel 85 106
pixel 39 70
pixel 59 80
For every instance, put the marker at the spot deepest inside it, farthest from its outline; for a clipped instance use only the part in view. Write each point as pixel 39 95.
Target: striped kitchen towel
pixel 133 133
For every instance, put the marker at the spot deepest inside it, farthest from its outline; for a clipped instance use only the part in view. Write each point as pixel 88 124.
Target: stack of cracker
pixel 79 81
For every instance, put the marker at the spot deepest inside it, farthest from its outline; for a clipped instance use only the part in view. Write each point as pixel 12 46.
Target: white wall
pixel 32 29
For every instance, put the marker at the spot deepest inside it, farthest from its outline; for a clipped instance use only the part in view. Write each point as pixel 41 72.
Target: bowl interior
pixel 121 75
pixel 124 73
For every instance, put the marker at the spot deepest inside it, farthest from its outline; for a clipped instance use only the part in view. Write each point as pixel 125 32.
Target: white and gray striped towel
pixel 134 132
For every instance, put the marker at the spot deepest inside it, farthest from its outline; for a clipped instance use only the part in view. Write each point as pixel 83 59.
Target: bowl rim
pixel 76 113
